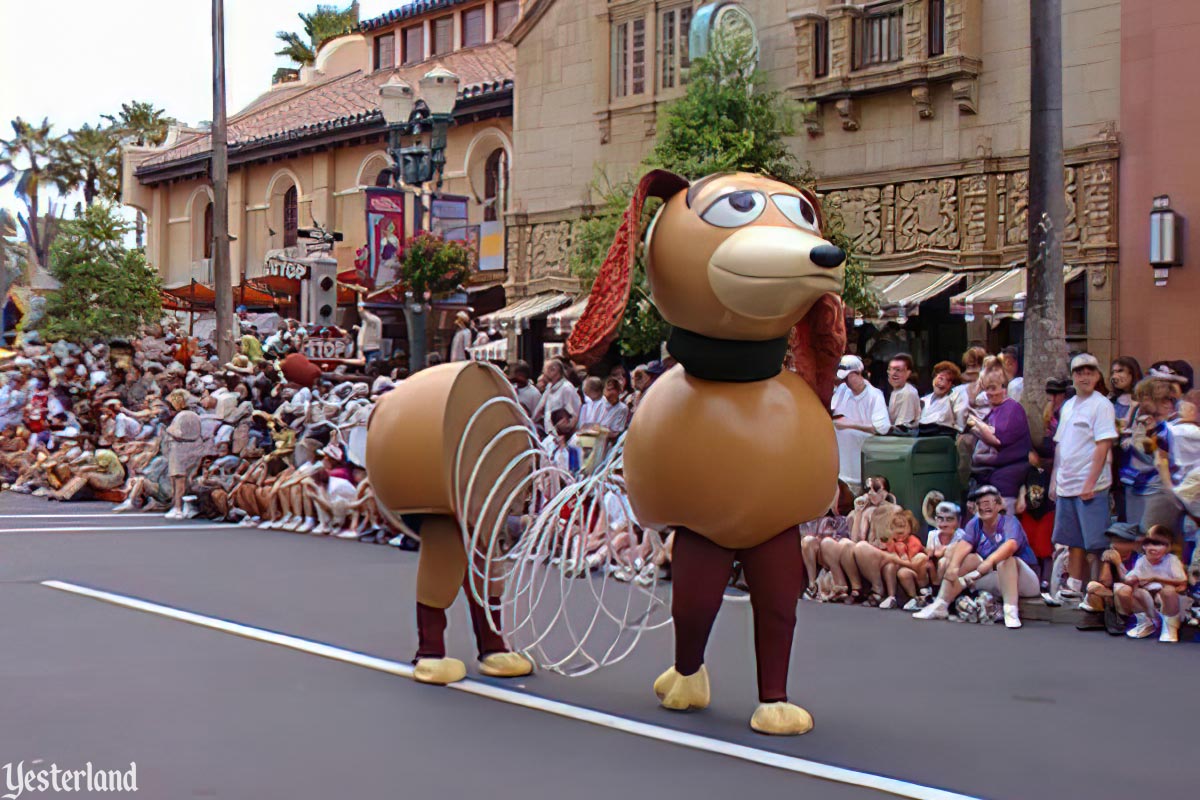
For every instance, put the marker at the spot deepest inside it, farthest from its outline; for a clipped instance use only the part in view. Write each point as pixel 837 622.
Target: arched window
pixel 495 179
pixel 208 231
pixel 384 178
pixel 291 217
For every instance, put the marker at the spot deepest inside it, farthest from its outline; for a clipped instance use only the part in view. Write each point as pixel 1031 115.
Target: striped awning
pixel 1002 294
pixel 563 321
pixel 901 295
pixel 525 309
pixel 492 351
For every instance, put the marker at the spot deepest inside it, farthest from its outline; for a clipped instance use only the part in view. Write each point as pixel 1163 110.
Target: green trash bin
pixel 914 467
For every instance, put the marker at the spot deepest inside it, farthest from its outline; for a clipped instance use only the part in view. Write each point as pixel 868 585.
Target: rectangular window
pixel 414 44
pixel 879 36
pixel 673 28
pixel 937 27
pixel 443 36
pixel 637 51
pixel 385 51
pixel 821 49
pixel 620 62
pixel 629 58
pixel 506 13
pixel 473 27
pixel 1075 301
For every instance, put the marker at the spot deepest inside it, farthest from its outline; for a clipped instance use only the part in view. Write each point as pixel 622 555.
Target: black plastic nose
pixel 827 255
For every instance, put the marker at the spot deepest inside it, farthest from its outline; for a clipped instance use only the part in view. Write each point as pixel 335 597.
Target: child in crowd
pixel 1035 510
pixel 1153 587
pixel 947 519
pixel 903 560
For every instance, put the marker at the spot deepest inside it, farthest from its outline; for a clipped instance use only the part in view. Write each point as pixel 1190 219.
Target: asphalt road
pixel 978 710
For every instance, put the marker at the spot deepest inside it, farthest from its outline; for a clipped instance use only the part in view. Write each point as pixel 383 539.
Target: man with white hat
pixel 463 337
pixel 1082 475
pixel 859 412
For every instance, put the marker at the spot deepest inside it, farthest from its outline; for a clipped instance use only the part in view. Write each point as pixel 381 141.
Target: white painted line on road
pixel 109 515
pixel 708 744
pixel 115 529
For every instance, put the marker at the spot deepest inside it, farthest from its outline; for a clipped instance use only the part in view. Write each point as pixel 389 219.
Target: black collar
pixel 727 360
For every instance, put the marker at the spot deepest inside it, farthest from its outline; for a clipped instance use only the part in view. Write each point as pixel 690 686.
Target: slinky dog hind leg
pixel 440 572
pixel 699 572
pixel 495 659
pixel 775 572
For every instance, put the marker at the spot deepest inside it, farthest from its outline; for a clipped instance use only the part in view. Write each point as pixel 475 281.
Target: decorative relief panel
pixel 1072 227
pixel 1098 219
pixel 975 212
pixel 551 243
pixel 1016 221
pixel 862 217
pixel 927 215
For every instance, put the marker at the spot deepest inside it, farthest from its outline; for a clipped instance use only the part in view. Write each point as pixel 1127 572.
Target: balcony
pixel 852 51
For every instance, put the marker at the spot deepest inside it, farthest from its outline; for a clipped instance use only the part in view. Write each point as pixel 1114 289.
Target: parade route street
pixel 974 710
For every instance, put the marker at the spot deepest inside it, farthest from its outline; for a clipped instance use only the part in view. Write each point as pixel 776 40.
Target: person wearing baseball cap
pixel 859 412
pixel 1082 475
pixel 991 554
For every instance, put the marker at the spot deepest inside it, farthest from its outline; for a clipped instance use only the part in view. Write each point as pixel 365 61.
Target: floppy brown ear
pixel 818 342
pixel 601 321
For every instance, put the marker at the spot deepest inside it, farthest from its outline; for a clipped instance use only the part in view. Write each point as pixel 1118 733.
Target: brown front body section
pixel 735 462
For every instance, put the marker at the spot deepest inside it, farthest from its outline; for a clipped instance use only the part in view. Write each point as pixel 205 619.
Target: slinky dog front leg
pixel 440 573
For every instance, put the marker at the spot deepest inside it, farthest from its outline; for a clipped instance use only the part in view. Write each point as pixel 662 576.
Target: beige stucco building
pixel 304 152
pixel 919 139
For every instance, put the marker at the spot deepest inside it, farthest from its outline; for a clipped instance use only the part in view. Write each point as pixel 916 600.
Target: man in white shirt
pixel 904 406
pixel 1082 475
pixel 370 333
pixel 560 393
pixel 859 412
pixel 463 337
pixel 519 374
pixel 593 402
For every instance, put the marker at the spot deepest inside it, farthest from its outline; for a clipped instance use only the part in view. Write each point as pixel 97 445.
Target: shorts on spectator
pixel 1081 523
pixel 1028 584
pixel 1153 509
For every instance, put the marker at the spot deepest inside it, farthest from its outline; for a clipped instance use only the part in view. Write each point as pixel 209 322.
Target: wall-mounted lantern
pixel 1166 239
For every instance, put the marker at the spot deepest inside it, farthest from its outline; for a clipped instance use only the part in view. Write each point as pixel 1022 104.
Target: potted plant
pixel 430 267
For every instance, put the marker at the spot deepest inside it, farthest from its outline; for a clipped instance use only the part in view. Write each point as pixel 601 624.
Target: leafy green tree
pixel 326 22
pixel 142 125
pixel 728 120
pixel 89 159
pixel 431 266
pixel 29 161
pixel 107 290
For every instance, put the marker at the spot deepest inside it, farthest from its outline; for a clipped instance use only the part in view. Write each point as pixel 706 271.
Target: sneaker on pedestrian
pixel 1012 616
pixel 889 603
pixel 306 525
pixel 913 605
pixel 126 506
pixel 348 533
pixel 1143 627
pixel 1170 628
pixel 1051 600
pixel 938 609
pixel 174 513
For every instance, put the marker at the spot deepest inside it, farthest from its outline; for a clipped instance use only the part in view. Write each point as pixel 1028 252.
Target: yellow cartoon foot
pixel 505 665
pixel 439 670
pixel 781 719
pixel 683 692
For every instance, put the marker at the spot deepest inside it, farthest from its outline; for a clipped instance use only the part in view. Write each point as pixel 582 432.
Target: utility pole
pixel 222 279
pixel 1045 334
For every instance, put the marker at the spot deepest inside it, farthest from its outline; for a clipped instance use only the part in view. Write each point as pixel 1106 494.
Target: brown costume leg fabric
pixel 441 570
pixel 486 639
pixel 775 572
pixel 431 632
pixel 699 572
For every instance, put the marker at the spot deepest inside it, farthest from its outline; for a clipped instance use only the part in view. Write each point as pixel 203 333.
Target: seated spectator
pixel 904 406
pixel 991 555
pixel 561 444
pixel 946 519
pixel 898 559
pixel 869 521
pixel 593 403
pixel 1153 587
pixel 859 412
pixel 1001 455
pixel 1012 368
pixel 527 394
pixel 812 537
pixel 1035 512
pixel 1153 430
pixel 938 408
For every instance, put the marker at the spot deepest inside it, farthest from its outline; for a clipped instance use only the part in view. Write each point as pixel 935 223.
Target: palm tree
pixel 324 23
pixel 28 160
pixel 142 125
pixel 90 159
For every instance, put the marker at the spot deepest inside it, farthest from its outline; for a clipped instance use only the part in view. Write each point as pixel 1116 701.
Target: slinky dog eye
pixel 798 210
pixel 735 209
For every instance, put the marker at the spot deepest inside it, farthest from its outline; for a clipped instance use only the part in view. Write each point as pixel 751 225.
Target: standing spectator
pixel 593 402
pixel 614 416
pixel 904 406
pixel 967 393
pixel 859 412
pixel 560 393
pixel 370 332
pixel 991 555
pixel 938 408
pixel 520 374
pixel 1001 456
pixel 463 337
pixel 1124 375
pixel 1012 366
pixel 1145 501
pixel 1082 475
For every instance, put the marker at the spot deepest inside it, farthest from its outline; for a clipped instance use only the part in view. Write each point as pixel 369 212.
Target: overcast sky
pixel 73 60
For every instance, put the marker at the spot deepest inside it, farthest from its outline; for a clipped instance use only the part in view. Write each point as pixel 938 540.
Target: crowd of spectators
pixel 1101 515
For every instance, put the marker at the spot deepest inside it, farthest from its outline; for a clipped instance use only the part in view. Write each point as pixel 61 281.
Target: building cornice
pixel 529 20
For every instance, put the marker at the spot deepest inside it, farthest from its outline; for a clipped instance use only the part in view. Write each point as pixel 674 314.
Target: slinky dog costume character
pixel 416 450
pixel 727 447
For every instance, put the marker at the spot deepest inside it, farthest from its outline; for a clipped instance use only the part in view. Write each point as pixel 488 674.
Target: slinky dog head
pixel 733 256
pixel 740 256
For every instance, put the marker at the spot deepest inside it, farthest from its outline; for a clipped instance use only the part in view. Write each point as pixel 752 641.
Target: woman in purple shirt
pixel 1001 455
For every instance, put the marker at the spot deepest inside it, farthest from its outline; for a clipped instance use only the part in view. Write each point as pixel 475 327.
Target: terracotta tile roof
pixel 413 9
pixel 298 111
